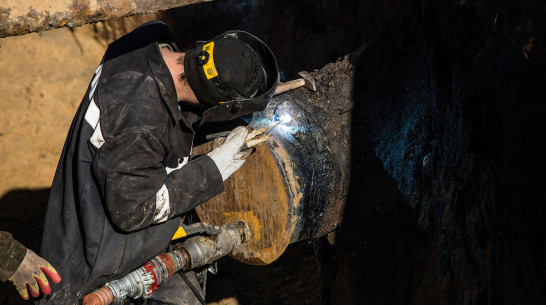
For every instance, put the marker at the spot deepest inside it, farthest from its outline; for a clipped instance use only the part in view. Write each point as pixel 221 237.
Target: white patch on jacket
pixel 162 203
pixel 92 115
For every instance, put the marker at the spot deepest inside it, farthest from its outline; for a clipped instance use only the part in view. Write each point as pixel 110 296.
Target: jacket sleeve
pixel 12 254
pixel 135 185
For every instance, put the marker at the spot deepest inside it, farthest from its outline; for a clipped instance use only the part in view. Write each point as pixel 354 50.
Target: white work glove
pixel 228 157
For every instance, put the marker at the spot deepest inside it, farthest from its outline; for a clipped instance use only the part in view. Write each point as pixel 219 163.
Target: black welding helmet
pixel 235 73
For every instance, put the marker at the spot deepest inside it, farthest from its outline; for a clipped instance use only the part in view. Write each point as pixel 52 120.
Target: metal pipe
pixel 203 250
pixel 295 185
pixel 22 17
pixel 195 252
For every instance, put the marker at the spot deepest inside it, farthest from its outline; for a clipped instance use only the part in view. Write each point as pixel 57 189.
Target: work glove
pixel 228 157
pixel 31 273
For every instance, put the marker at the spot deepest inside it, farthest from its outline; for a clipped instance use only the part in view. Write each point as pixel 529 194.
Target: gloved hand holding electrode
pixel 228 157
pixel 230 153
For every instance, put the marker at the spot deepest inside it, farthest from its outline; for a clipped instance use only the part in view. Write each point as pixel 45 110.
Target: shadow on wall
pixel 446 202
pixel 379 242
pixel 381 249
pixel 22 214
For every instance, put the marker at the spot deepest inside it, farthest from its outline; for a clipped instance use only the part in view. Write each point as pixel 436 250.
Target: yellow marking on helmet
pixel 179 233
pixel 209 68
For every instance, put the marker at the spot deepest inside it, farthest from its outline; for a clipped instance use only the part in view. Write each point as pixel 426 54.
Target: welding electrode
pixel 254 138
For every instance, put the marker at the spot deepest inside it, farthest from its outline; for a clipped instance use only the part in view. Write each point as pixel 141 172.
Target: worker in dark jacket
pixel 126 174
pixel 25 269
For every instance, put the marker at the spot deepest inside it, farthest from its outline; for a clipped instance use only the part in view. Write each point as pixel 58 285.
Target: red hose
pixel 102 296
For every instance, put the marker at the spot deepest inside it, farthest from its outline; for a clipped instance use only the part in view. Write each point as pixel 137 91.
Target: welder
pixel 126 176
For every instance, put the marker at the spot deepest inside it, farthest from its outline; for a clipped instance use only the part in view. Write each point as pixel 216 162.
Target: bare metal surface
pixel 21 17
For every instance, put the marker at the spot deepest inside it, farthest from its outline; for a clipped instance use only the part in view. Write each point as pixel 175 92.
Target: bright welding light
pixel 285 118
pixel 282 121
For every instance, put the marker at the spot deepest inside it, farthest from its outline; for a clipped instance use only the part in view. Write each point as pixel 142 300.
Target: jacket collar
pixel 166 86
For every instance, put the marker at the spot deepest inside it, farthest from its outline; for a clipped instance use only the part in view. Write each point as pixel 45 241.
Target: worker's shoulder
pixel 131 100
pixel 128 63
pixel 119 65
pixel 128 84
pixel 137 40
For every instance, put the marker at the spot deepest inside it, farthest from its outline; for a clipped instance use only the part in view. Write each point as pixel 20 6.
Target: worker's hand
pixel 228 156
pixel 31 273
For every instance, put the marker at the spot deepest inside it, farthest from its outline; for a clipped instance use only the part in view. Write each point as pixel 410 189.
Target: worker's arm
pixel 136 187
pixel 12 254
pixel 24 268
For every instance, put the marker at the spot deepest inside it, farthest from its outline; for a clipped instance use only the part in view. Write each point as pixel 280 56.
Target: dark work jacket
pixel 123 177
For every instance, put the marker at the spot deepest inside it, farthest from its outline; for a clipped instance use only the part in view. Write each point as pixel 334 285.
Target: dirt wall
pixel 447 197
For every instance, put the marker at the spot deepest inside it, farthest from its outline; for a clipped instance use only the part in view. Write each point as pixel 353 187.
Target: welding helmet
pixel 235 74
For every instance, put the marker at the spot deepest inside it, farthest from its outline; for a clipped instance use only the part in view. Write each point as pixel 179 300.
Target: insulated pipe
pixel 294 186
pixel 195 252
pixel 21 17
